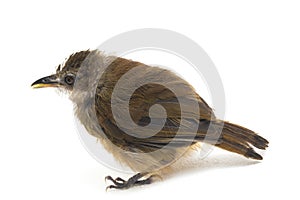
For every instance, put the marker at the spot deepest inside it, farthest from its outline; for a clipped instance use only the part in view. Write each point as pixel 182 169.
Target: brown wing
pixel 153 86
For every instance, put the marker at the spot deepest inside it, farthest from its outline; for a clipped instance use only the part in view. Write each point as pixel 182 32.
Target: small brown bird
pixel 146 117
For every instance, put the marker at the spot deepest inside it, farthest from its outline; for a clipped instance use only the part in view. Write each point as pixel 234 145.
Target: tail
pixel 237 139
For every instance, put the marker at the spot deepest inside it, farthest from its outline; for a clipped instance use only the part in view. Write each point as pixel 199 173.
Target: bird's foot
pixel 135 180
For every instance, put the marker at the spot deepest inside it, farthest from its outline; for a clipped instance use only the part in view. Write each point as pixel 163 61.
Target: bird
pixel 147 117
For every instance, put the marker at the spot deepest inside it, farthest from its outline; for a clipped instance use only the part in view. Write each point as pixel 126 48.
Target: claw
pixel 110 187
pixel 108 178
pixel 135 180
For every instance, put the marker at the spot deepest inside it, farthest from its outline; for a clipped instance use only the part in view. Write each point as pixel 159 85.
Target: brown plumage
pixel 188 119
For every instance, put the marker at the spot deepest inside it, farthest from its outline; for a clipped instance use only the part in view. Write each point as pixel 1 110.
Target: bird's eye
pixel 69 79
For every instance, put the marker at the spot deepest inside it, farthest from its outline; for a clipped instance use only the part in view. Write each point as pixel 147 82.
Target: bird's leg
pixel 131 182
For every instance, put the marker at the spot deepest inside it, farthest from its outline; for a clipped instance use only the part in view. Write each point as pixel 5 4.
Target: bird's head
pixel 65 76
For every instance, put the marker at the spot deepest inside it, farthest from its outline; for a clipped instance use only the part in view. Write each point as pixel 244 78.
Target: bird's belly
pixel 135 159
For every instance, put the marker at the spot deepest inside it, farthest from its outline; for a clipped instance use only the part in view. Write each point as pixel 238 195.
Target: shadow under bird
pixel 91 78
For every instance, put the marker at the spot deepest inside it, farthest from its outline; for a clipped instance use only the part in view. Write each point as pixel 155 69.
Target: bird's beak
pixel 48 81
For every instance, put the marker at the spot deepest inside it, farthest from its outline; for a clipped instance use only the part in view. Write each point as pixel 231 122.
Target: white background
pixel 255 46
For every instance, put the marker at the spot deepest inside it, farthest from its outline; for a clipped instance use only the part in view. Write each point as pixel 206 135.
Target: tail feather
pixel 246 135
pixel 239 140
pixel 239 148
